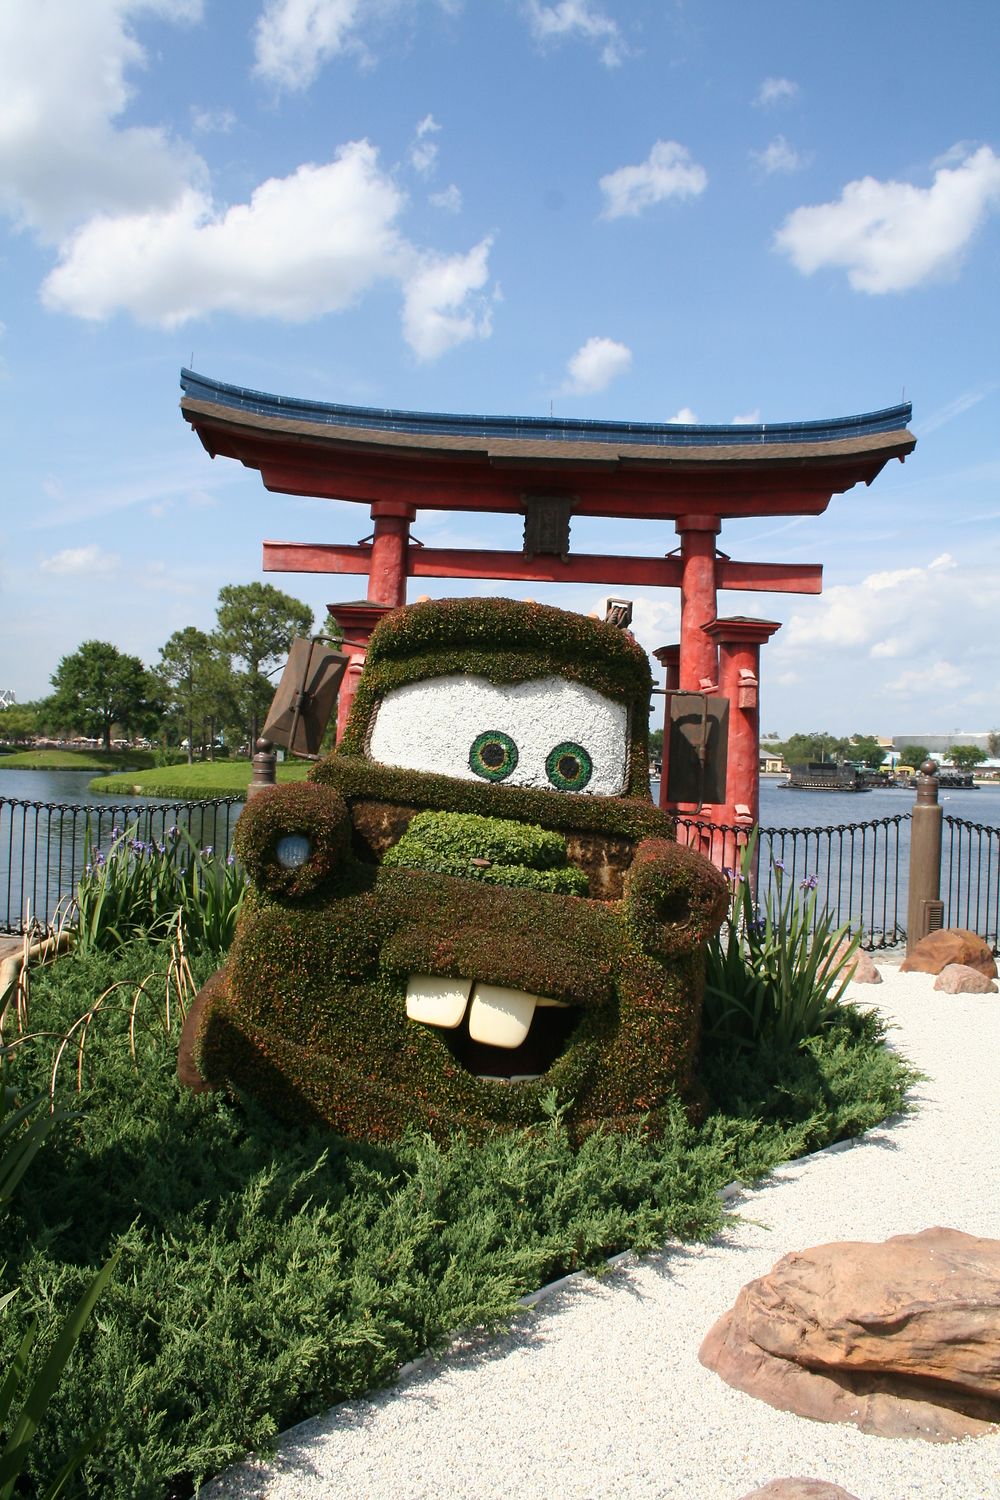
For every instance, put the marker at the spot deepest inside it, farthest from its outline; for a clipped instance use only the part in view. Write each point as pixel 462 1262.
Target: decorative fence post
pixel 264 769
pixel 925 909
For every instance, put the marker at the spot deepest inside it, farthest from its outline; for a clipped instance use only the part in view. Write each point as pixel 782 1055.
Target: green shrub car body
pixel 472 902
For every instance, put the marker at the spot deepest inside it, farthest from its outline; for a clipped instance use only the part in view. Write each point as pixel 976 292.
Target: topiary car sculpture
pixel 473 901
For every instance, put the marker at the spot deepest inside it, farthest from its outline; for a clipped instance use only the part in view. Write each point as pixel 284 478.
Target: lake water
pixel 49 818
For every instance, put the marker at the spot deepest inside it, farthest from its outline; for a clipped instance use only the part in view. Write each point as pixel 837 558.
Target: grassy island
pixel 76 760
pixel 220 778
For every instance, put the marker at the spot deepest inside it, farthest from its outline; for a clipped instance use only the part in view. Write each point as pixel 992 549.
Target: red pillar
pixel 698 607
pixel 357 621
pixel 739 640
pixel 390 542
pixel 669 658
pixel 387 573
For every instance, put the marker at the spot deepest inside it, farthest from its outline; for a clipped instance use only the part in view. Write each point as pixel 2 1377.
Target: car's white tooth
pixel 500 1016
pixel 437 1001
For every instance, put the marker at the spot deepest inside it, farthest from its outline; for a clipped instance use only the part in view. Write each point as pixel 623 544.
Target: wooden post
pixel 925 911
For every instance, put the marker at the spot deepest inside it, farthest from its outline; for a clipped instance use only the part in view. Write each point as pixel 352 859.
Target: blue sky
pixel 713 212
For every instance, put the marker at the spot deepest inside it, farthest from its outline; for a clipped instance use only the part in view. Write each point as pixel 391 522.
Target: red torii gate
pixel 549 470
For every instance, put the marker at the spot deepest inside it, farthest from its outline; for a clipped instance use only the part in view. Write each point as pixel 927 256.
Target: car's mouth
pixel 500 1035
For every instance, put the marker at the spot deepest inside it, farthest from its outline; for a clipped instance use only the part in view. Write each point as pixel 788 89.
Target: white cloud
pixel 890 647
pixel 132 212
pixel 304 245
pixel 63 83
pixel 685 416
pixel 450 199
pixel 578 18
pixel 778 156
pixel 424 150
pixel 88 560
pixel 212 121
pixel 667 172
pixel 748 418
pixel 776 91
pixel 953 409
pixel 922 636
pixel 595 365
pixel 294 38
pixel 891 236
pixel 440 309
pixel 933 677
pixel 912 613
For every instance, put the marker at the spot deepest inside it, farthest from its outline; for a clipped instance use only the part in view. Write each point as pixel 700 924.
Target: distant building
pixel 938 743
pixel 7 698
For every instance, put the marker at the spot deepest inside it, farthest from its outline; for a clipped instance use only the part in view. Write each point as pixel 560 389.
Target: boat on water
pixel 825 776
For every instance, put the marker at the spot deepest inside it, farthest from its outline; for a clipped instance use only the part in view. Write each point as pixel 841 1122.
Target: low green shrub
pixel 521 855
pixel 23 1130
pixel 267 1272
pixel 775 976
pixel 25 1394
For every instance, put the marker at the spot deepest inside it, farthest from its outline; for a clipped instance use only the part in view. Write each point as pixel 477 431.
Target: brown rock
pixel 961 979
pixel 952 945
pixel 799 1489
pixel 860 966
pixel 901 1338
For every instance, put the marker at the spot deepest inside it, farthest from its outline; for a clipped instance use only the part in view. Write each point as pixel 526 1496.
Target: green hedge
pixel 487 849
pixel 268 1272
pixel 312 1019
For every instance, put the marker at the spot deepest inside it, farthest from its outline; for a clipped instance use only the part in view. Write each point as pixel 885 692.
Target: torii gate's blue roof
pixel 543 429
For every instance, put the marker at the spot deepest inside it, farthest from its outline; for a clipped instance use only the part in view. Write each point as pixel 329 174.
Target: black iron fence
pixel 970 877
pixel 858 870
pixel 44 846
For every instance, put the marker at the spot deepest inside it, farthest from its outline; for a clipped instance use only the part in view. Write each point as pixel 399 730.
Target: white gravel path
pixel 598 1392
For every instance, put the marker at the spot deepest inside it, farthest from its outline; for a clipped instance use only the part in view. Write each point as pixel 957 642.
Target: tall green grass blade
pixel 15 1374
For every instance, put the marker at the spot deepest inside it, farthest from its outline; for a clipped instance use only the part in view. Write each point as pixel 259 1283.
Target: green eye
pixel 568 767
pixel 493 755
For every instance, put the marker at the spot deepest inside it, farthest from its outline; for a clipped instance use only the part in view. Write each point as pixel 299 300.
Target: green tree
pixel 257 624
pixel 99 686
pixel 913 755
pixel 993 743
pixel 866 750
pixel 818 746
pixel 965 756
pixel 197 684
pixel 19 723
pixel 331 629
